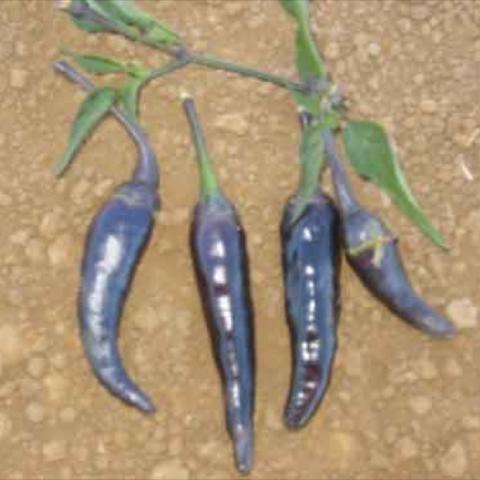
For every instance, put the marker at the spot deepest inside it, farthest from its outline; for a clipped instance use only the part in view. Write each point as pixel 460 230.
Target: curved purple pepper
pixel 116 239
pixel 311 264
pixel 371 250
pixel 221 265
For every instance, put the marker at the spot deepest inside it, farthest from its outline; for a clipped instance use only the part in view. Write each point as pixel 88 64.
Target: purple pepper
pixel 311 265
pixel 221 263
pixel 116 239
pixel 372 251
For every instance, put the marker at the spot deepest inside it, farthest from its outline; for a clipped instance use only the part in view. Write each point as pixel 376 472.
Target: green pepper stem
pixel 208 180
pixel 219 64
pixel 147 169
pixel 347 199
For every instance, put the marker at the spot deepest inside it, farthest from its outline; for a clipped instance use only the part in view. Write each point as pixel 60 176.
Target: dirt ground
pixel 400 405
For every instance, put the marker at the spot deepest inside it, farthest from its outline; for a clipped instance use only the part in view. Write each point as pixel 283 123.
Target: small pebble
pixel 35 250
pixel 420 405
pixel 5 200
pixel 61 250
pixel 464 313
pixel 11 345
pixel 5 425
pixel 170 469
pixel 332 51
pixel 419 12
pixel 35 412
pixel 68 415
pixel 454 462
pixel 232 123
pixel 54 451
pixel 18 78
pixel 51 224
pixel 374 49
pixel 407 448
pixel 36 366
pixel 428 106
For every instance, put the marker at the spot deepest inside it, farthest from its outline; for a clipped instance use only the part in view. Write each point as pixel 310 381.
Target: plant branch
pixel 216 63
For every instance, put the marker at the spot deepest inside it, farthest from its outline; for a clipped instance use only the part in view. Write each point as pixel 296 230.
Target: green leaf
pixel 298 9
pixel 127 13
pixel 109 18
pixel 88 26
pixel 312 159
pixel 93 109
pixel 373 158
pixel 129 96
pixel 97 64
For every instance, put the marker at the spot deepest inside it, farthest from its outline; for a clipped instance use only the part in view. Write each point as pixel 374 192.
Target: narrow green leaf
pixel 95 106
pixel 130 94
pixel 298 9
pixel 126 12
pixel 98 7
pixel 373 158
pixel 131 13
pixel 88 26
pixel 97 64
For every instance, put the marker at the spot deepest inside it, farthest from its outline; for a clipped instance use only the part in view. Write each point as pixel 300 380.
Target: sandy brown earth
pixel 400 405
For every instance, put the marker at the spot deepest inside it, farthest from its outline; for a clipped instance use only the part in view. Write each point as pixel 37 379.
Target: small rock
pixel 21 49
pixel 419 12
pixel 5 200
pixel 428 106
pixel 5 425
pixel 169 470
pixel 272 419
pixel 80 191
pixel 453 368
pixel 54 451
pixel 454 463
pixel 61 250
pixel 407 448
pixel 68 415
pixel 420 405
pixel 20 237
pixel 332 51
pixel 374 49
pixel 36 366
pixel 146 318
pixel 11 345
pixel 232 123
pixel 35 250
pixel 18 78
pixel 426 369
pixel 471 422
pixel 463 312
pixel 35 412
pixel 51 224
pixel 56 387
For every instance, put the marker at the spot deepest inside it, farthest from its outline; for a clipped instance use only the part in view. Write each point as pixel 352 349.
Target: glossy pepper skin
pixel 372 251
pixel 311 264
pixel 221 265
pixel 114 245
pixel 116 239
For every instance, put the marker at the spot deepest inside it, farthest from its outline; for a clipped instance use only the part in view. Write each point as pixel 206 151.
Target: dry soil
pixel 400 405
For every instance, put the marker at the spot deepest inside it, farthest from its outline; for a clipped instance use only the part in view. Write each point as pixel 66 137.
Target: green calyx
pixel 375 244
pixel 209 185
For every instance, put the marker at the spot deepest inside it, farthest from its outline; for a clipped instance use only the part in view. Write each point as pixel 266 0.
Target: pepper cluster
pixel 314 231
